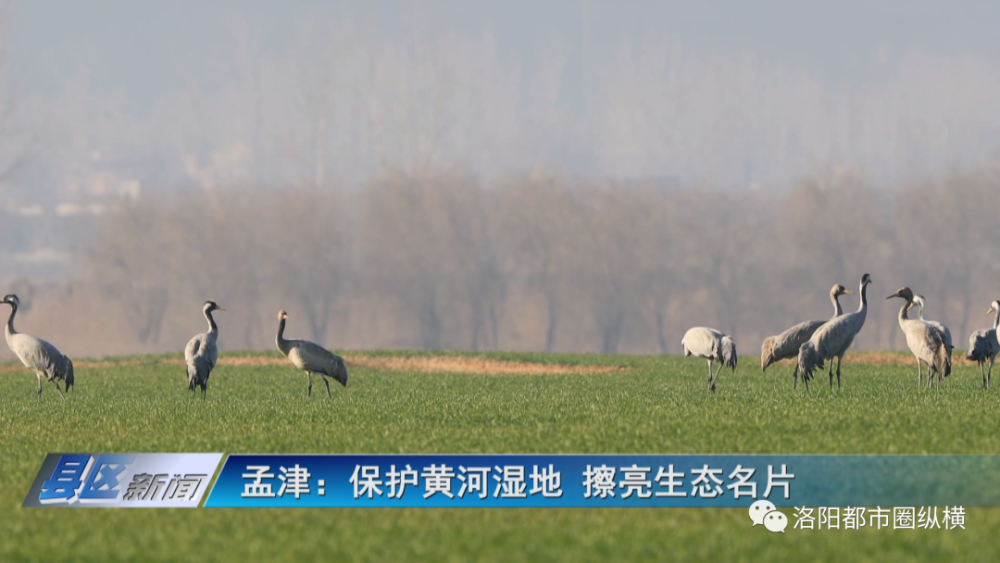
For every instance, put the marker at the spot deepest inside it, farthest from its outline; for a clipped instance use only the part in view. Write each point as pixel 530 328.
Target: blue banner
pixel 605 480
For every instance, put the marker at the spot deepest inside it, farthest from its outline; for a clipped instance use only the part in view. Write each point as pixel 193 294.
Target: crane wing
pixel 193 347
pixel 788 343
pixel 309 356
pixel 37 354
pixel 834 335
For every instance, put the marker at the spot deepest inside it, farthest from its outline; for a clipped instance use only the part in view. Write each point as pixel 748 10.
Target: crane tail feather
pixel 729 352
pixel 943 360
pixel 809 360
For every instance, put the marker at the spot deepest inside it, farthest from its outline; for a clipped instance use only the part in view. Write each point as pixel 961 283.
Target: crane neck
pixel 837 309
pixel 280 339
pixel 864 297
pixel 9 329
pixel 996 320
pixel 920 311
pixel 212 327
pixel 902 312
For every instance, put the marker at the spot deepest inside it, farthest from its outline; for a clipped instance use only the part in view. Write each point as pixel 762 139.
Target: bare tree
pixel 544 217
pixel 608 265
pixel 405 248
pixel 128 262
pixel 310 245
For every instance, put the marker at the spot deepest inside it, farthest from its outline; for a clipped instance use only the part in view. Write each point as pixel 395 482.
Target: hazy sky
pixel 839 58
pixel 136 41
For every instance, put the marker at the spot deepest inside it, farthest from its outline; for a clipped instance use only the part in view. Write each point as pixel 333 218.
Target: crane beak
pixel 893 295
pixel 989 311
pixel 220 309
pixel 848 292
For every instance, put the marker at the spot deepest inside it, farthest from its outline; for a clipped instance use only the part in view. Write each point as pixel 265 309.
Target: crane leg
pixel 709 373
pixel 831 373
pixel 203 388
pixel 795 377
pixel 325 380
pixel 310 376
pixel 711 385
pixel 989 374
pixel 56 385
pixel 838 371
pixel 920 375
pixel 39 388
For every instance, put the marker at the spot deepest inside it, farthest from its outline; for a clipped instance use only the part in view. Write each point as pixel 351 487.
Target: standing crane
pixel 311 358
pixel 712 345
pixel 833 338
pixel 983 345
pixel 36 354
pixel 926 342
pixel 201 352
pixel 918 300
pixel 786 345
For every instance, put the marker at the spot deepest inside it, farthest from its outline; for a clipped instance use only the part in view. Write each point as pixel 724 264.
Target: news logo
pixel 123 480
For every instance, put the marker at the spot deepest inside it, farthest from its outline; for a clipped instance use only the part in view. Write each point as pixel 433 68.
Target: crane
pixel 926 342
pixel 712 345
pixel 311 358
pixel 833 338
pixel 202 352
pixel 983 345
pixel 786 345
pixel 36 354
pixel 918 300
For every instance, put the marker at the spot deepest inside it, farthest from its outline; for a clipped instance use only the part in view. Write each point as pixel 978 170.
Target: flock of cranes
pixel 200 354
pixel 813 343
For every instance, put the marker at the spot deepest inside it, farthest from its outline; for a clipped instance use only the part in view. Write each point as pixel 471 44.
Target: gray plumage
pixel 925 341
pixel 918 300
pixel 833 338
pixel 311 358
pixel 38 355
pixel 202 352
pixel 983 345
pixel 712 345
pixel 786 345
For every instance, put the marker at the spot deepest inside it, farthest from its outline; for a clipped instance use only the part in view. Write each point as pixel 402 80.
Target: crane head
pixel 838 290
pixel 904 292
pixel 282 315
pixel 212 306
pixel 12 300
pixel 866 279
pixel 995 306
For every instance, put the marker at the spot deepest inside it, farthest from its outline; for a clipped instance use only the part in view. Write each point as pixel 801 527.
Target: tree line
pixel 441 259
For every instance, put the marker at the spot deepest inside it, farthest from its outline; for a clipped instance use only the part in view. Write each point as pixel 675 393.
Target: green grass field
pixel 658 405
